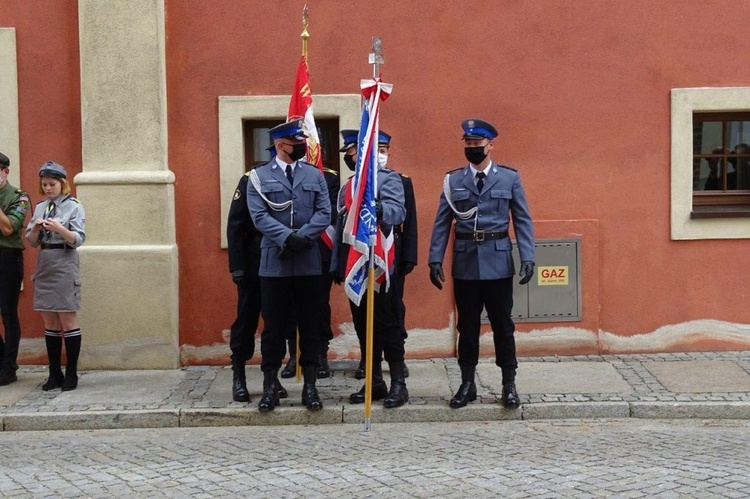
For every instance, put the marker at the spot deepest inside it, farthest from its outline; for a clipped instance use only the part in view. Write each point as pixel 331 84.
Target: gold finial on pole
pixel 305 35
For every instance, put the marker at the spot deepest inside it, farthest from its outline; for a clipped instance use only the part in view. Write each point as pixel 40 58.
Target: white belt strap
pixel 274 206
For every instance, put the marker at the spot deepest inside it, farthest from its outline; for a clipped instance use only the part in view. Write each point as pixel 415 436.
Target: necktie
pixel 480 181
pixel 49 213
pixel 289 174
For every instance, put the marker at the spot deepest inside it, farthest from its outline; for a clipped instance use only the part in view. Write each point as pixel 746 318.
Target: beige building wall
pixel 129 262
pixel 9 140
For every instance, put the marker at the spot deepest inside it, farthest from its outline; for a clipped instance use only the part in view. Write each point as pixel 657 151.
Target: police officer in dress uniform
pixel 387 328
pixel 243 242
pixel 481 198
pixel 14 205
pixel 289 204
pixel 326 333
pixel 405 243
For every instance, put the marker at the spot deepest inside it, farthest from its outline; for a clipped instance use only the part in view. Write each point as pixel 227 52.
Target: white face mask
pixel 382 160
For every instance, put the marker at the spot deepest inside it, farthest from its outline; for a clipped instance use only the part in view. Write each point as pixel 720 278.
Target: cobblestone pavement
pixel 567 458
pixel 703 385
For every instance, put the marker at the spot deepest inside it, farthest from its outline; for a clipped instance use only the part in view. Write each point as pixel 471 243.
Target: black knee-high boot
pixel 72 350
pixel 53 340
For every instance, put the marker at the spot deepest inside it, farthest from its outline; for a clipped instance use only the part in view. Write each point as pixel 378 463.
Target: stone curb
pixel 91 420
pixel 348 414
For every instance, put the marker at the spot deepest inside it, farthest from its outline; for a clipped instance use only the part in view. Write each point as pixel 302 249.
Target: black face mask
pixel 475 155
pixel 350 162
pixel 298 151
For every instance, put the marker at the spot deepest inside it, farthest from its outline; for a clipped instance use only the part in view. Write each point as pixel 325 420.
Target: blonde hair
pixel 65 190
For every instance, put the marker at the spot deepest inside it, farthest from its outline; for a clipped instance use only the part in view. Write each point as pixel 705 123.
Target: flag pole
pixel 376 59
pixel 305 36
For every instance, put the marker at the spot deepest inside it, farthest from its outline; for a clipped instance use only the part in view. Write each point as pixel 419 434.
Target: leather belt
pixel 482 235
pixel 54 246
pixel 10 250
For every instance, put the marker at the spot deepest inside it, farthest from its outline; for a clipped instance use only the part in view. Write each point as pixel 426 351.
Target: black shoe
pixel 360 372
pixel 71 379
pixel 324 371
pixel 55 380
pixel 239 389
pixel 310 397
pixel 510 396
pixel 270 398
pixel 466 393
pixel 379 392
pixel 290 370
pixel 397 396
pixel 7 377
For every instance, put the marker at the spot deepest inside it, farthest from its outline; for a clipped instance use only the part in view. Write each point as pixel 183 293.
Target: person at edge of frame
pixel 243 248
pixel 288 201
pixel 14 205
pixel 388 336
pixel 480 198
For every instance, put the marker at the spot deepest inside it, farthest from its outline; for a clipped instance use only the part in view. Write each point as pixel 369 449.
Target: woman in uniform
pixel 58 227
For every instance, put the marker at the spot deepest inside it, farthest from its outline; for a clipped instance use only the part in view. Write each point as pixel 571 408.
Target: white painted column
pixel 9 141
pixel 129 266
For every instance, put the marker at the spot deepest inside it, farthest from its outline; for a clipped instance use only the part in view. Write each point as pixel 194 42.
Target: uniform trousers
pixel 325 331
pixel 496 296
pixel 242 331
pixel 11 275
pixel 281 295
pixel 387 331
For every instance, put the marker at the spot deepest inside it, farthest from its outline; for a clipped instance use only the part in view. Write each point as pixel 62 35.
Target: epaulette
pixel 20 191
pixel 328 170
pixel 306 163
pixel 74 200
pixel 247 173
pixel 404 175
pixel 507 168
pixel 456 170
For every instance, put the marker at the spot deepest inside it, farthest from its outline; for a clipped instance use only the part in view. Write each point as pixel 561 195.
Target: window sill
pixel 729 211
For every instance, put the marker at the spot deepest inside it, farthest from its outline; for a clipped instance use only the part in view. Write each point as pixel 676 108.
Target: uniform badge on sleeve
pixel 237 194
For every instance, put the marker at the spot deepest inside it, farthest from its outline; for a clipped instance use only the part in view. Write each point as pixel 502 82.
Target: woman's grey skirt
pixel 57 281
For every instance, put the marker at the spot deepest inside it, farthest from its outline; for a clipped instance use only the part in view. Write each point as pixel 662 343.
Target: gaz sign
pixel 553 276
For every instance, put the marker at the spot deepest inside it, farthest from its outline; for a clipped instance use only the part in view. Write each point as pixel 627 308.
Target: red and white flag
pixel 301 107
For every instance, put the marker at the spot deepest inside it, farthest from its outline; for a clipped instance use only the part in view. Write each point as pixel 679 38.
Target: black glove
pixel 297 243
pixel 526 272
pixel 379 210
pixel 437 278
pixel 405 268
pixel 337 277
pixel 238 276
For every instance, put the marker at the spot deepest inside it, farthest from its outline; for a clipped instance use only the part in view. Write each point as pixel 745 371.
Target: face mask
pixel 350 161
pixel 298 151
pixel 382 160
pixel 475 155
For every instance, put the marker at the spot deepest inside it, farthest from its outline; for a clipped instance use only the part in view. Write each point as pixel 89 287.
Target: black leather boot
pixel 290 370
pixel 360 372
pixel 379 388
pixel 323 370
pixel 398 395
pixel 467 392
pixel 510 397
pixel 310 397
pixel 72 351
pixel 270 398
pixel 239 383
pixel 54 352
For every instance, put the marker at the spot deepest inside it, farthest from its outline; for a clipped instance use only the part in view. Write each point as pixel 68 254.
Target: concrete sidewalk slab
pixel 559 377
pixel 27 383
pixel 700 376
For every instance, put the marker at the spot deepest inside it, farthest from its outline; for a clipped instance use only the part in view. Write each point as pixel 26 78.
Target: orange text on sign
pixel 553 276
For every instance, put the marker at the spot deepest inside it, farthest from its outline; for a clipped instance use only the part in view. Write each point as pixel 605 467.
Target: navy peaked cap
pixel 475 128
pixel 350 138
pixel 290 129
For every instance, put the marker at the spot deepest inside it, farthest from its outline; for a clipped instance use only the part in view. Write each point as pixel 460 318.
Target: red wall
pixel 580 92
pixel 49 108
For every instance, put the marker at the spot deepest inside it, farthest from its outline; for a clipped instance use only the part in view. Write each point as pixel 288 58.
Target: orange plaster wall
pixel 49 108
pixel 580 94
